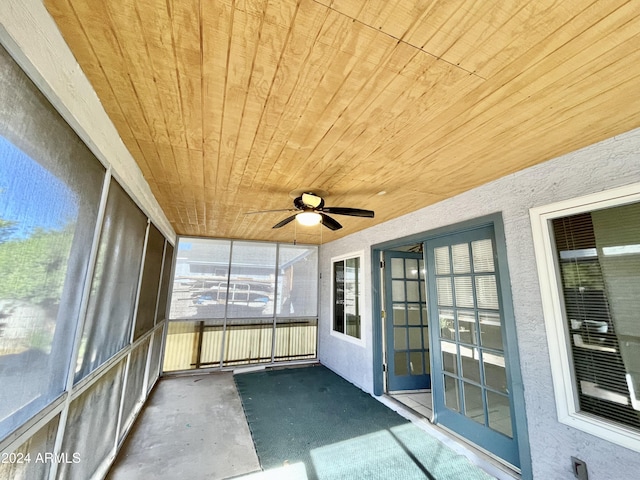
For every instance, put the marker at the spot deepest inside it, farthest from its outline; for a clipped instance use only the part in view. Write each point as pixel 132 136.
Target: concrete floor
pixel 180 435
pixel 194 427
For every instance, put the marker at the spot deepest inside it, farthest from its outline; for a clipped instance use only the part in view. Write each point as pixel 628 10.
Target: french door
pixel 471 387
pixel 407 332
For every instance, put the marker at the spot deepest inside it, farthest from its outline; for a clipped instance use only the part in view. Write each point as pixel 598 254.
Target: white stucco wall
pixel 611 163
pixel 31 36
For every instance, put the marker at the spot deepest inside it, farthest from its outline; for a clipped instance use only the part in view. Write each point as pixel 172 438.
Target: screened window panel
pixel 200 279
pixel 156 353
pixel 92 421
pixel 107 328
pixel 248 341
pixel 50 187
pixel 149 287
pixel 181 346
pixel 249 301
pixel 252 280
pixel 599 258
pixel 297 281
pixel 161 313
pixel 134 383
pixel 295 339
pixel 14 466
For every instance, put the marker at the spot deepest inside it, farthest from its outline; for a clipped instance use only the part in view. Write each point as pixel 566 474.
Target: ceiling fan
pixel 311 211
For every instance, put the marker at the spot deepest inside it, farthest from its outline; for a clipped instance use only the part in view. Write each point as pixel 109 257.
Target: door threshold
pixel 476 455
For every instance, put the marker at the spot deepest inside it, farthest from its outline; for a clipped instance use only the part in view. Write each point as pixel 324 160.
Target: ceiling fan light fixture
pixel 308 219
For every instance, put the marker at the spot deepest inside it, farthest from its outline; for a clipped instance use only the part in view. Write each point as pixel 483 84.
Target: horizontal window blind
pixel 599 257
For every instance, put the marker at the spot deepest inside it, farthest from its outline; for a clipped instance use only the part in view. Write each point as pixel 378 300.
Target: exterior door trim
pixel 511 340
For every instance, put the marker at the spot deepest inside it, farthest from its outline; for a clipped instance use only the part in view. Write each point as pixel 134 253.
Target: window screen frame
pixel 361 272
pixel 558 340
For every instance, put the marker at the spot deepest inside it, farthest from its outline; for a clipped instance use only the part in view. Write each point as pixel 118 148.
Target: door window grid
pixel 462 358
pixel 411 337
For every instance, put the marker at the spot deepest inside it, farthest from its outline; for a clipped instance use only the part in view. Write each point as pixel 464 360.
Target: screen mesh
pixel 50 187
pixel 112 298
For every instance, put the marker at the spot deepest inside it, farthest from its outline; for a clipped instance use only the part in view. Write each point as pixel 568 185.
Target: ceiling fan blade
pixel 353 212
pixel 284 222
pixel 270 211
pixel 329 222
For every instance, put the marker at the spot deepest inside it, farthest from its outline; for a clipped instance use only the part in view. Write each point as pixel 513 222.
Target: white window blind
pixel 598 254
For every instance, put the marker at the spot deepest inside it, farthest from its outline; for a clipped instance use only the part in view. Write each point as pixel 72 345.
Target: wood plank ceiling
pixel 229 105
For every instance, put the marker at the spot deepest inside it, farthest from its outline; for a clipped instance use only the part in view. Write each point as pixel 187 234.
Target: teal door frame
pixel 511 340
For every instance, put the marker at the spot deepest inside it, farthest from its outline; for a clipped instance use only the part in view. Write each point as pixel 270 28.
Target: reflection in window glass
pixel 50 186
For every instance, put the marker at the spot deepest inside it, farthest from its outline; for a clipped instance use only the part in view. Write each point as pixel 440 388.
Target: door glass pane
pixel 400 338
pixel 473 407
pixel 449 358
pixel 470 363
pixel 397 268
pixel 467 326
pixel 400 363
pixel 413 312
pixel 482 255
pixel 442 260
pixel 399 314
pixel 397 290
pixel 425 337
pixel 490 330
pixel 447 328
pixel 421 269
pixel 464 292
pixel 415 362
pixel 461 260
pixel 412 268
pixel 495 375
pixel 487 292
pixel 499 413
pixel 415 338
pixel 413 291
pixel 445 292
pixel 451 398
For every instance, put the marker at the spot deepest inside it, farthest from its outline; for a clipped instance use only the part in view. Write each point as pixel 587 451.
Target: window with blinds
pixel 598 254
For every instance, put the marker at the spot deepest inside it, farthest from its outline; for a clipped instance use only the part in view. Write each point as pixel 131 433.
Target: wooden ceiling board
pixel 227 106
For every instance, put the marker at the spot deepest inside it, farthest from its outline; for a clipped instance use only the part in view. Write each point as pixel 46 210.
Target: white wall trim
pixel 553 311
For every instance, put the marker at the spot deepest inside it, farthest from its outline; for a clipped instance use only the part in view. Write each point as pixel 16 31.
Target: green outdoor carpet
pixel 313 416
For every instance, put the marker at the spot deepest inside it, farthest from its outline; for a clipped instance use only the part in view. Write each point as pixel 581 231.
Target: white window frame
pixel 558 341
pixel 344 336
